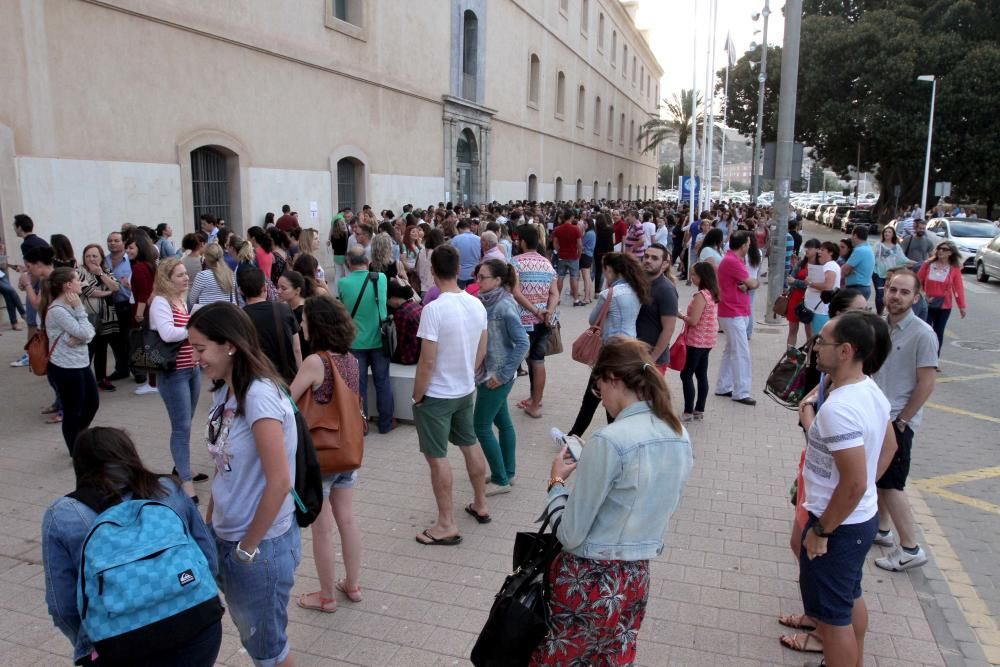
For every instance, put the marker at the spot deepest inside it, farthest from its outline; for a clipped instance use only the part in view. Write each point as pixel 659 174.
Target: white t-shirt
pixel 649 229
pixel 812 299
pixel 455 321
pixel 855 415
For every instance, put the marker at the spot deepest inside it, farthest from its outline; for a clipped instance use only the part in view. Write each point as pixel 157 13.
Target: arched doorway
pixel 579 189
pixel 621 186
pixel 210 183
pixel 532 188
pixel 559 188
pixel 607 194
pixel 596 193
pixel 630 192
pixel 467 163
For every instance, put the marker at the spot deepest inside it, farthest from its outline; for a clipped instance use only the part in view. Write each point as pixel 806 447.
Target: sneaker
pixel 687 416
pixel 898 560
pixel 745 401
pixel 20 363
pixel 885 539
pixel 699 416
pixel 496 489
pixel 146 389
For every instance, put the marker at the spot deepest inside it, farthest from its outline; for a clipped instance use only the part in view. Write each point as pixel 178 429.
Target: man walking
pixel 907 380
pixel 734 315
pixel 365 295
pixel 453 345
pixel 861 264
pixel 843 448
pixel 470 251
pixel 567 241
pixel 657 319
pixel 918 247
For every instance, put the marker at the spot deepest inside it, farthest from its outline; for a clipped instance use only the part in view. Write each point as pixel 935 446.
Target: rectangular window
pixel 584 17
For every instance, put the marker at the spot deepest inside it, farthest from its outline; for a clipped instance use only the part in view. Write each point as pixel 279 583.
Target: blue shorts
pixel 568 266
pixel 339 480
pixel 257 594
pixel 830 583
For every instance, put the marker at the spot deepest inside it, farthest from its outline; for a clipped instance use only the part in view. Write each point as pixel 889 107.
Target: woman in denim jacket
pixel 506 346
pixel 107 466
pixel 628 288
pixel 630 479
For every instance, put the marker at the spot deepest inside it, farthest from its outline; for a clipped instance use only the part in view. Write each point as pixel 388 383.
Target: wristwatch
pixel 903 422
pixel 556 480
pixel 818 529
pixel 245 556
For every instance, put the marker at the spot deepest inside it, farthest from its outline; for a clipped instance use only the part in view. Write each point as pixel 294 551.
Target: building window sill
pixel 559 116
pixel 351 30
pixel 533 105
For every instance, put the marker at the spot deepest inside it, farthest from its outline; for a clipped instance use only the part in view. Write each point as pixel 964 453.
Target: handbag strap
pixel 357 303
pixel 373 277
pixel 604 309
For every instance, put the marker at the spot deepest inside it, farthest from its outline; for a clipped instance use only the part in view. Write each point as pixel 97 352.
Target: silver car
pixel 988 260
pixel 968 234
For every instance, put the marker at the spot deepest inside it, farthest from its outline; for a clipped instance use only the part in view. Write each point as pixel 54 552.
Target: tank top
pixel 706 330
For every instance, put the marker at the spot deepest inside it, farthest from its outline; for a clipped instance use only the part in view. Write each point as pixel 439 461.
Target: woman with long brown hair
pixel 629 481
pixel 98 286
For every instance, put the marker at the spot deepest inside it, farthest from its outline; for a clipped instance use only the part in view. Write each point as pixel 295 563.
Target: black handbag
pixel 386 327
pixel 803 313
pixel 148 352
pixel 518 619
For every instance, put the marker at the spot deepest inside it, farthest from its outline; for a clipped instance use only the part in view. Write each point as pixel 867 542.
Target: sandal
pixel 801 642
pixel 481 518
pixel 352 595
pixel 796 621
pixel 429 540
pixel 50 410
pixel 326 605
pixel 54 418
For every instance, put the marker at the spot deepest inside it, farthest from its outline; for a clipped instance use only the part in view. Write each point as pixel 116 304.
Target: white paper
pixel 816 274
pixel 314 207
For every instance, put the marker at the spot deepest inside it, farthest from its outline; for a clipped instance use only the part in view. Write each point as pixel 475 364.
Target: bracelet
pixel 556 480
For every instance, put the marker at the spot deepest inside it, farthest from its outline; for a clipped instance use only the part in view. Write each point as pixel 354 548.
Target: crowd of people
pixel 471 298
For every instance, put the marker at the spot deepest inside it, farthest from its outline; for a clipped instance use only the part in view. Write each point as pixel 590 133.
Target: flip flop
pixel 50 410
pixel 323 602
pixel 54 419
pixel 481 518
pixel 440 542
pixel 796 621
pixel 800 642
pixel 533 415
pixel 353 596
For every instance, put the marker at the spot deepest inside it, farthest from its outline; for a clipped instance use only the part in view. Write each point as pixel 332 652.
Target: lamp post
pixel 761 79
pixel 930 133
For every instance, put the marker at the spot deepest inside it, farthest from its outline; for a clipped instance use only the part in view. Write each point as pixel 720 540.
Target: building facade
pixel 149 111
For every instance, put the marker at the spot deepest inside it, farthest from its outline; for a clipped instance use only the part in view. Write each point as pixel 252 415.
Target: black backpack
pixel 308 488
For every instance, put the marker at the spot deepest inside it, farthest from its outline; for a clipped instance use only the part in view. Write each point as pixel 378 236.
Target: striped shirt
pixel 205 290
pixel 185 355
pixel 170 322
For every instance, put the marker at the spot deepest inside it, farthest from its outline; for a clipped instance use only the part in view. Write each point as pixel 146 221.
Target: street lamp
pixel 928 78
pixel 761 79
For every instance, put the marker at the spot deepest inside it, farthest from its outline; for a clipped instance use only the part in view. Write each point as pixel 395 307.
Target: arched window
pixel 631 134
pixel 532 188
pixel 579 189
pixel 621 186
pixel 608 193
pixel 614 46
pixel 534 67
pixel 597 190
pixel 642 79
pixel 559 188
pixel 621 131
pixel 560 94
pixel 470 54
pixel 600 32
pixel 209 183
pixel 624 60
pixel 584 16
pixel 633 70
pixel 611 122
pixel 581 99
pixel 597 115
pixel 630 192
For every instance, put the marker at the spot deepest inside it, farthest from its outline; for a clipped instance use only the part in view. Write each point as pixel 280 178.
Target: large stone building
pixel 149 111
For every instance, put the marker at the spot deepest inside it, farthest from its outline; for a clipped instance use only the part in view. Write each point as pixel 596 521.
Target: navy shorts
pixel 830 583
pixel 895 475
pixel 538 339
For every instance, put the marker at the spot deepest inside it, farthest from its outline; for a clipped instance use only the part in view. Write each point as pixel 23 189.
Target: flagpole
pixel 711 104
pixel 694 114
pixel 706 150
pixel 725 110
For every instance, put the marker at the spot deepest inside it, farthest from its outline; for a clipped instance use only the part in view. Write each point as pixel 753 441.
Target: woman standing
pixel 309 268
pixel 628 288
pixel 98 286
pixel 587 260
pixel 168 316
pixel 942 282
pixel 711 248
pixel 629 481
pixel 214 282
pixel 338 244
pixel 433 240
pixel 330 331
pixel 293 289
pixel 142 255
pixel 309 244
pixel 65 322
pixel 164 245
pixel 263 249
pixel 506 347
pixel 701 333
pixel 279 253
pixel 813 299
pixel 193 245
pixel 888 255
pixel 64 255
pixel 753 260
pixel 411 254
pixel 108 470
pixel 797 291
pixel 605 243
pixel 251 435
pixel 382 261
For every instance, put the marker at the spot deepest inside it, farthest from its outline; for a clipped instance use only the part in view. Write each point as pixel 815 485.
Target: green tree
pixel 677 124
pixel 668 175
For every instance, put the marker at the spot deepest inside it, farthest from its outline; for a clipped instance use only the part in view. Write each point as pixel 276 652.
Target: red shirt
pixel 569 238
pixel 734 302
pixel 287 222
pixel 621 229
pixel 142 289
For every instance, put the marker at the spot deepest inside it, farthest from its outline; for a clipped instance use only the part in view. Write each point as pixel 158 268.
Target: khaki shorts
pixel 440 420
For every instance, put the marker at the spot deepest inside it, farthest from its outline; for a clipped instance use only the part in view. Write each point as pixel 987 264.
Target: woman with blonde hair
pixel 168 316
pixel 213 283
pixel 309 243
pixel 382 261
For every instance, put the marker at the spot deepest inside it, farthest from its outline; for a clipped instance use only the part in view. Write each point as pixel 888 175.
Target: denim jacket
pixel 506 341
pixel 622 312
pixel 65 527
pixel 628 483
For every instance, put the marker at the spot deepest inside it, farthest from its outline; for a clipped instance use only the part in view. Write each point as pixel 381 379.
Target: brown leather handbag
pixel 338 427
pixel 588 345
pixel 780 307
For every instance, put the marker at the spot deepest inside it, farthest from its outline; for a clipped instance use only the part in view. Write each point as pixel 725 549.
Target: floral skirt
pixel 595 610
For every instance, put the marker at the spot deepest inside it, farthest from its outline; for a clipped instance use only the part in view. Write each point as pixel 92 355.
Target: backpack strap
pixel 357 303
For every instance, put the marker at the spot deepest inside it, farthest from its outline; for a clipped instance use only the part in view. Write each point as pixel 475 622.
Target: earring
pixel 230 353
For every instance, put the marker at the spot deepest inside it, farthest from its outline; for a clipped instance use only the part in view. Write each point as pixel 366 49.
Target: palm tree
pixel 677 124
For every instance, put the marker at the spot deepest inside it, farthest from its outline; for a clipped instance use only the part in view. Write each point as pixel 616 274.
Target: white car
pixel 988 260
pixel 968 234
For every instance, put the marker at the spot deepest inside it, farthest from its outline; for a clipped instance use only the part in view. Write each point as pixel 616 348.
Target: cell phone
pixel 575 448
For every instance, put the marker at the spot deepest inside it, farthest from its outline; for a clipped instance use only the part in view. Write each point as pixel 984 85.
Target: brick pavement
pixel 724 576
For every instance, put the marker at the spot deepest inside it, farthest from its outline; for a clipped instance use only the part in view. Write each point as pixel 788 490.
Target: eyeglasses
pixel 820 341
pixel 481 277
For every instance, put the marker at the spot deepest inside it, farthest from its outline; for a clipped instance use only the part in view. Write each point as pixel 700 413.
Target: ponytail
pixel 628 359
pixel 504 271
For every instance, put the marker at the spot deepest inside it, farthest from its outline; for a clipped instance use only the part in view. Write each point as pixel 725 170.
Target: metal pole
pixel 927 159
pixel 710 143
pixel 759 136
pixel 706 150
pixel 725 110
pixel 694 113
pixel 783 162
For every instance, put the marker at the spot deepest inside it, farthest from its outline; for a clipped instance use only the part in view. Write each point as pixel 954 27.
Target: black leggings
pixel 695 366
pixel 587 410
pixel 99 354
pixel 77 390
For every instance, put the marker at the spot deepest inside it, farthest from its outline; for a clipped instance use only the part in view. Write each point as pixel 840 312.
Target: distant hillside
pixel 738 149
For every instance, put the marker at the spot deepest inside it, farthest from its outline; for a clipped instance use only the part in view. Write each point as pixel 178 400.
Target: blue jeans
pixel 938 319
pixel 179 391
pixel 12 299
pixel 257 594
pixel 865 290
pixel 879 283
pixel 491 408
pixel 379 364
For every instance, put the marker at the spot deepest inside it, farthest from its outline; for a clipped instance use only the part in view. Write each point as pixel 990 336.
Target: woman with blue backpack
pixel 252 438
pixel 98 541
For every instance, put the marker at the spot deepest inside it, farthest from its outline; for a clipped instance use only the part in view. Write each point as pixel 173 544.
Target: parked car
pixel 968 234
pixel 856 216
pixel 834 214
pixel 988 260
pixel 824 214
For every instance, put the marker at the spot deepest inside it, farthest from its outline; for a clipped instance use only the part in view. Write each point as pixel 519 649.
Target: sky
pixel 672 25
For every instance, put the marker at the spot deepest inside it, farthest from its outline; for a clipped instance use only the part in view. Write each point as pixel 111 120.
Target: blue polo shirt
pixel 470 251
pixel 862 260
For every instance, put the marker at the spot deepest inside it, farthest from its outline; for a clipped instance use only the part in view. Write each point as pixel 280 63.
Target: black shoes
pixel 745 401
pixel 200 477
pixel 727 394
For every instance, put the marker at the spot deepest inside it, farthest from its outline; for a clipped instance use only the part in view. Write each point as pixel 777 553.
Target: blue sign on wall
pixel 686 189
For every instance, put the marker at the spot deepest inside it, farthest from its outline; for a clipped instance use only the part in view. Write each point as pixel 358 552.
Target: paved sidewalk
pixel 725 575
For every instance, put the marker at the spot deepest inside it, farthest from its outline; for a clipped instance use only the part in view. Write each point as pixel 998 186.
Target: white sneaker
pixel 887 540
pixel 495 489
pixel 899 560
pixel 146 389
pixel 20 363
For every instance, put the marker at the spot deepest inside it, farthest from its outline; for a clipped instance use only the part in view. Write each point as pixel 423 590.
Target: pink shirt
pixel 733 301
pixel 705 331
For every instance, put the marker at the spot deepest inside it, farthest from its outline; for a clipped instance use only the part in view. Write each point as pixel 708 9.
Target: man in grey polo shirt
pixel 907 380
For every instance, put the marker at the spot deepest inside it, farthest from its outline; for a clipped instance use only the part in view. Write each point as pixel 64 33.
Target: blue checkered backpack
pixel 144 585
